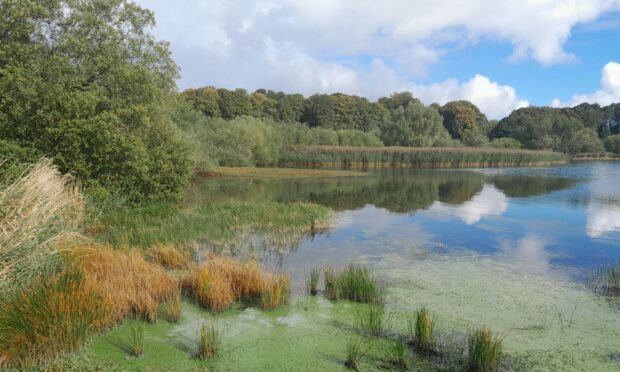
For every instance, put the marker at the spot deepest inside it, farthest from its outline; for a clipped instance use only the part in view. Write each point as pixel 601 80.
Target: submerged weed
pixel 485 350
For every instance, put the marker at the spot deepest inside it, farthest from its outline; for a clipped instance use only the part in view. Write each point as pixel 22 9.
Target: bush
pixel 506 142
pixel 612 144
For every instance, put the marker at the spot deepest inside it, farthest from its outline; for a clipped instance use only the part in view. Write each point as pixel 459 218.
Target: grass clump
pixel 136 338
pixel 170 310
pixel 485 350
pixel 221 281
pixel 354 354
pixel 354 283
pixel 313 281
pixel 167 256
pixel 209 342
pixel 372 319
pixel 420 329
pixel 606 280
pixel 396 354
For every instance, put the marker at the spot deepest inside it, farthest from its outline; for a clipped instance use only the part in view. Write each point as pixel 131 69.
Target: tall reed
pixel 606 280
pixel 209 342
pixel 353 283
pixel 420 329
pixel 485 350
pixel 136 338
pixel 372 319
pixel 313 281
pixel 354 353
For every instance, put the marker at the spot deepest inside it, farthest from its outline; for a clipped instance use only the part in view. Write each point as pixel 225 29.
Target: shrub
pixel 209 342
pixel 612 143
pixel 485 350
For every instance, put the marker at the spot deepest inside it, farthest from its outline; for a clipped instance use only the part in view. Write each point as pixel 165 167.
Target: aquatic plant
pixel 420 328
pixel 372 319
pixel 313 281
pixel 606 280
pixel 396 354
pixel 353 283
pixel 354 353
pixel 209 342
pixel 170 310
pixel 485 350
pixel 52 314
pixel 136 338
pixel 220 281
pixel 126 282
pixel 428 157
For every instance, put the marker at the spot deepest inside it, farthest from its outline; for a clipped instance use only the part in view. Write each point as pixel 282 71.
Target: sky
pixel 500 55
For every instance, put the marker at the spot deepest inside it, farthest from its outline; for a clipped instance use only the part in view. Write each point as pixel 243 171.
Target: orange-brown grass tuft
pixel 168 257
pixel 220 281
pixel 127 283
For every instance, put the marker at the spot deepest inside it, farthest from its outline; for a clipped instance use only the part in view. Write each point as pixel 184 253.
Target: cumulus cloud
pixel 528 253
pixel 493 99
pixel 365 47
pixel 608 93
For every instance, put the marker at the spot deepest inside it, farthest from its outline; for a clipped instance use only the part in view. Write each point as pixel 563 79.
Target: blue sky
pixel 498 54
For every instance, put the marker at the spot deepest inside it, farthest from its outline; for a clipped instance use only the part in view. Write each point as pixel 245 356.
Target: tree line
pixel 85 83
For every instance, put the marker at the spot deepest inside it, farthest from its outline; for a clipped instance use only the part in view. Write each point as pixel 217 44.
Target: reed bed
pixel 171 310
pixel 485 350
pixel 426 157
pixel 167 256
pixel 220 281
pixel 354 283
pixel 38 210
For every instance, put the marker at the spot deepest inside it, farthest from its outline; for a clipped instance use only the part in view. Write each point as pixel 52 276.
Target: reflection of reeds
pixel 606 280
pixel 485 350
pixel 220 281
pixel 353 283
pixel 420 329
pixel 209 342
pixel 354 353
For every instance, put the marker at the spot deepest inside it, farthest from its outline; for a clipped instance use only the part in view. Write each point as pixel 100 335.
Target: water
pixel 548 220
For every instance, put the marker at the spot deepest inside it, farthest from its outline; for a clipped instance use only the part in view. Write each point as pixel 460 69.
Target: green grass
pixel 312 279
pixel 209 342
pixel 354 283
pixel 485 350
pixel 420 328
pixel 606 280
pixel 146 225
pixel 372 320
pixel 415 157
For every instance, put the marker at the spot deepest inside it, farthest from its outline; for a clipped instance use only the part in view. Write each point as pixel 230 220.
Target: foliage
pixel 85 83
pixel 612 144
pixel 506 143
pixel 414 125
pixel 464 121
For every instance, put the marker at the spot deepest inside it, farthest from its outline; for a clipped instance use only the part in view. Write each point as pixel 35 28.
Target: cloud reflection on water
pixel 488 202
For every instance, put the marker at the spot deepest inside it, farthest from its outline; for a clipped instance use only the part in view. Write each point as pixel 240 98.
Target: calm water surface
pixel 545 220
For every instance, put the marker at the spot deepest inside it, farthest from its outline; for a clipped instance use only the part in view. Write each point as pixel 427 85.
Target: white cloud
pixel 493 99
pixel 365 47
pixel 488 202
pixel 608 93
pixel 528 253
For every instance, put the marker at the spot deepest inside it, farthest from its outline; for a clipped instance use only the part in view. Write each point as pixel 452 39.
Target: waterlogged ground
pixel 507 248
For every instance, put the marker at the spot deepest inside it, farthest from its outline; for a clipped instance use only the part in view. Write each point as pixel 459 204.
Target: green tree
pixel 233 103
pixel 415 125
pixel 465 121
pixel 86 83
pixel 205 100
pixel 612 143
